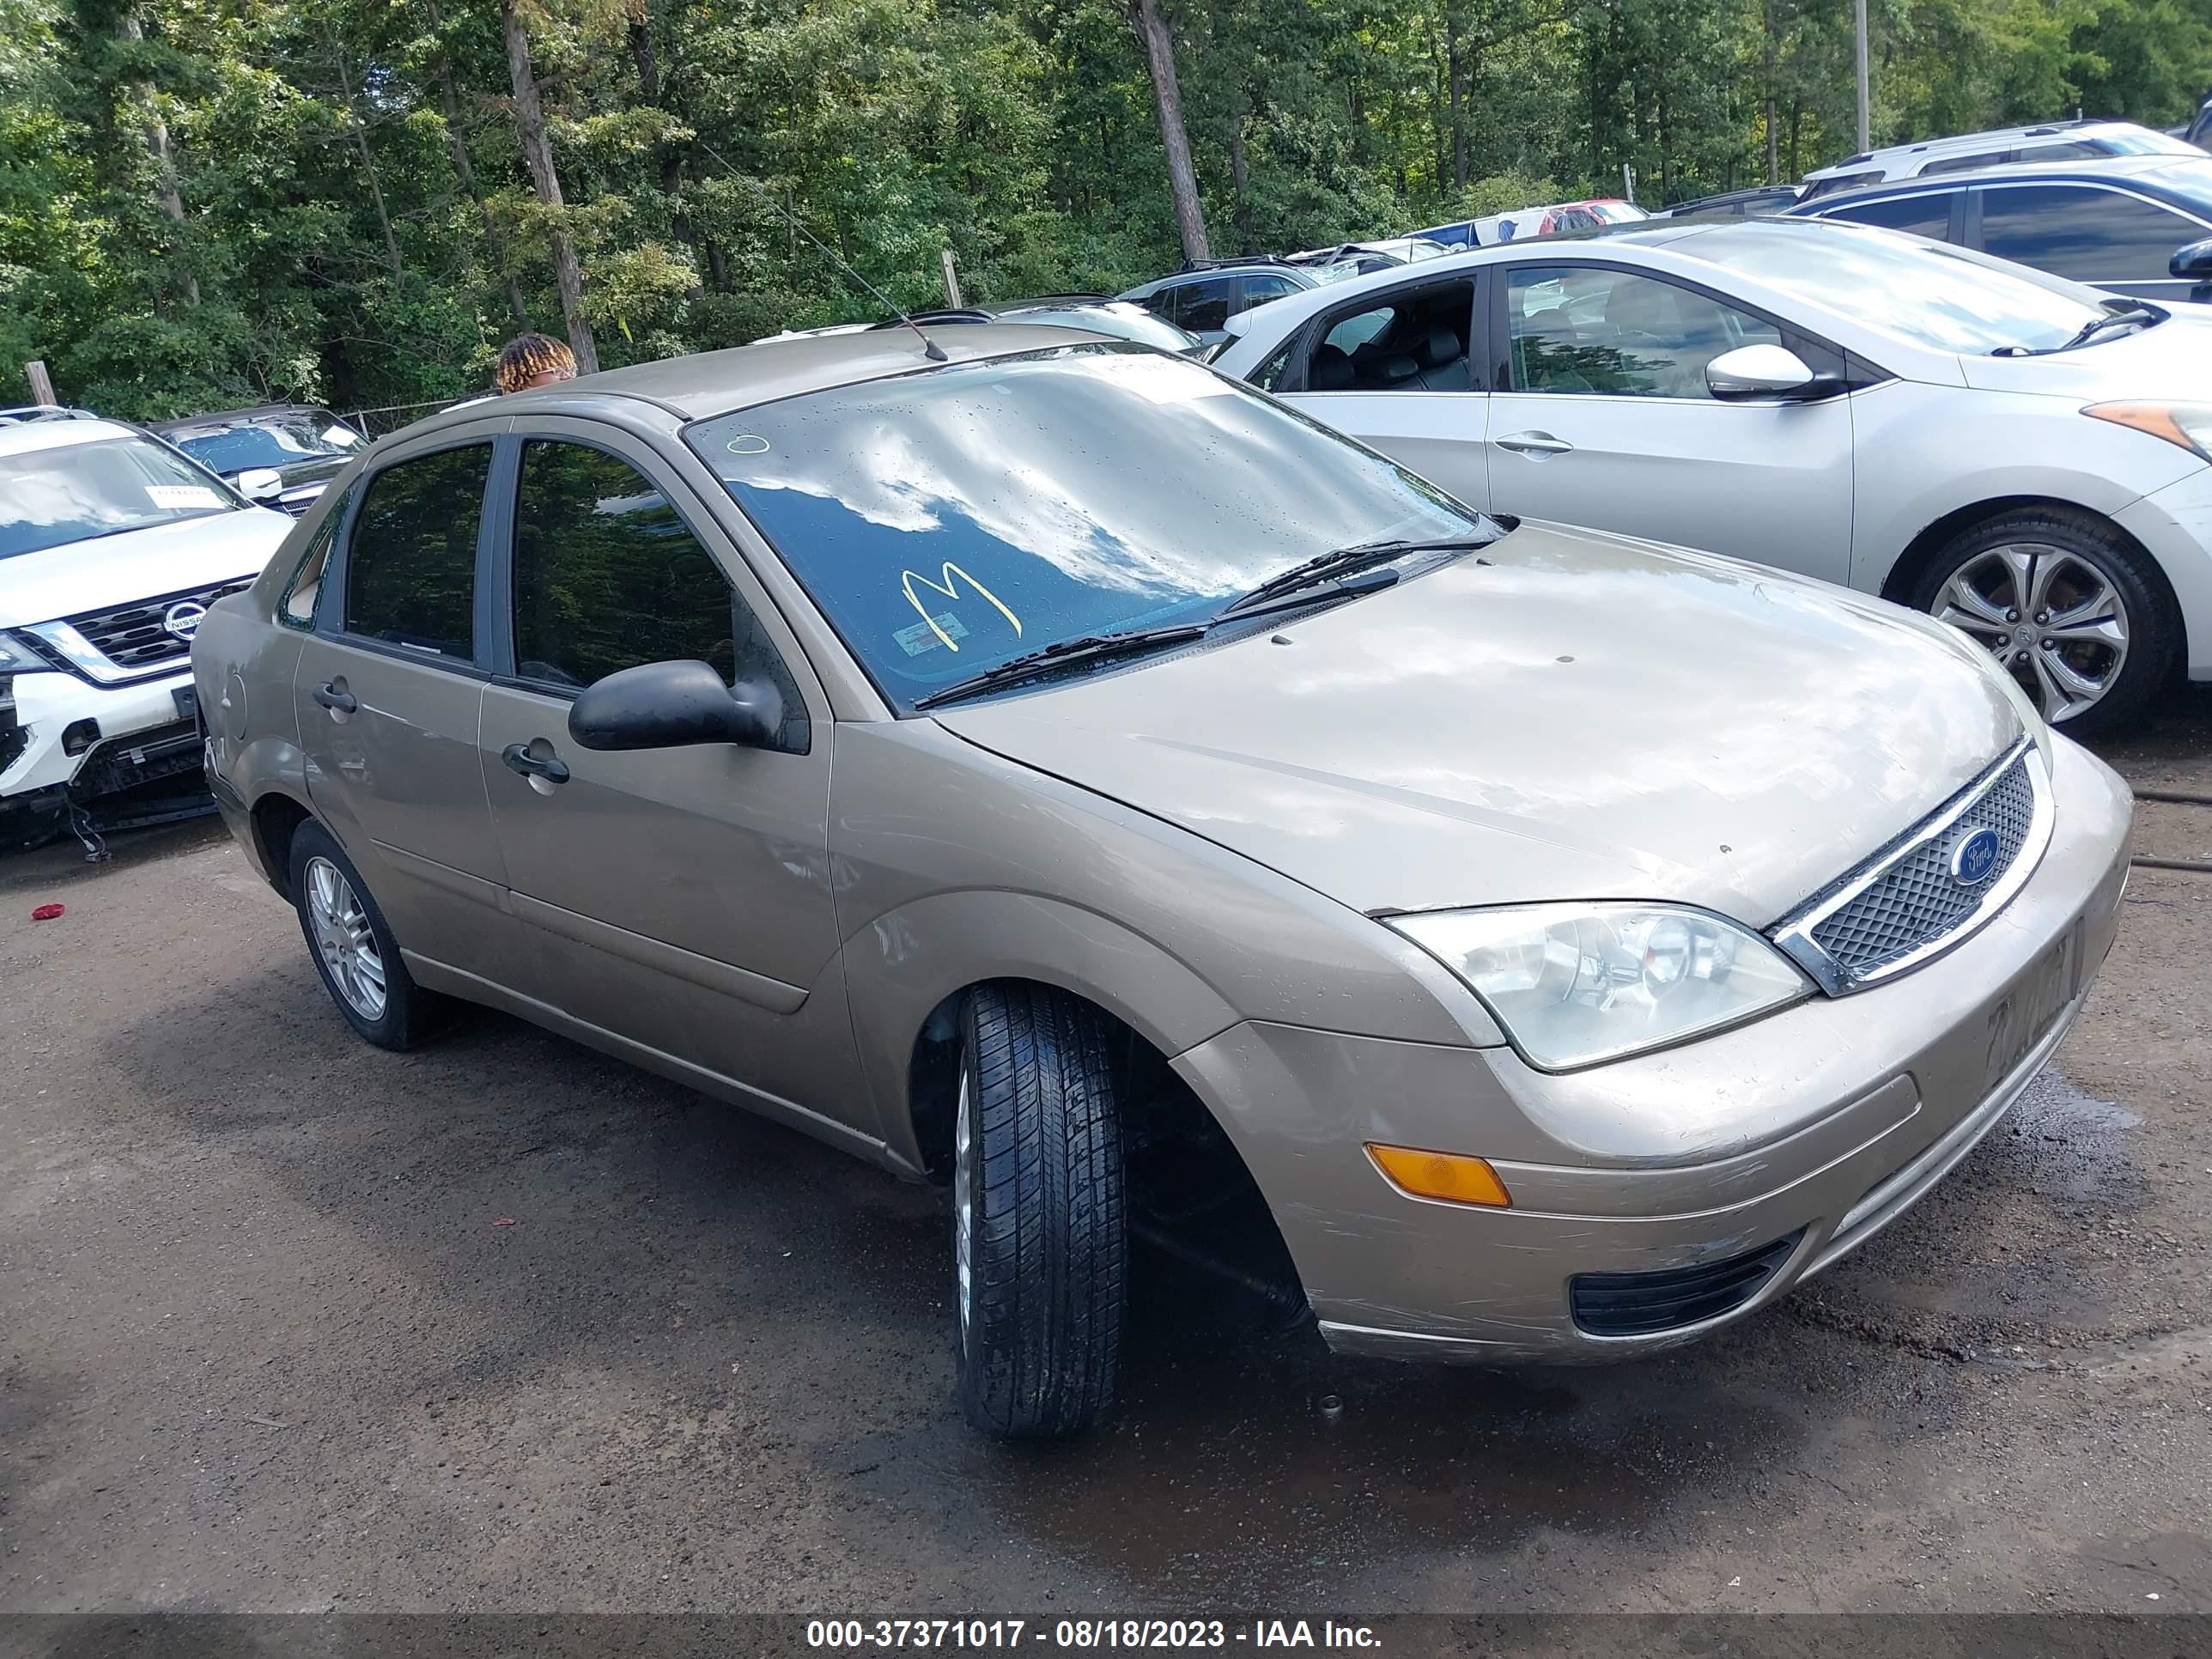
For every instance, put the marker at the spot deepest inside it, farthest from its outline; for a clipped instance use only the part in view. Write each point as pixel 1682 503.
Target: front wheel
pixel 2078 614
pixel 1038 1243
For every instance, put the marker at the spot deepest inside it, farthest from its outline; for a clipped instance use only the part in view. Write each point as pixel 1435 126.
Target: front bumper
pixel 48 703
pixel 2175 523
pixel 1819 1125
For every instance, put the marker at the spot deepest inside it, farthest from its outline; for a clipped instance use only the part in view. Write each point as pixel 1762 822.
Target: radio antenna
pixel 930 349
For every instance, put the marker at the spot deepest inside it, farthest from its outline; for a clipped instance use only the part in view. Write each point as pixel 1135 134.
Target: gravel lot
pixel 290 1323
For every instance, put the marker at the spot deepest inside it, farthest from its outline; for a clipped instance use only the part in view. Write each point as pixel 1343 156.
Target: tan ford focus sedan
pixel 1042 765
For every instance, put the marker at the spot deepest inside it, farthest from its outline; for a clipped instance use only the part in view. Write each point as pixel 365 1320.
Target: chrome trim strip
pixel 1793 934
pixel 86 658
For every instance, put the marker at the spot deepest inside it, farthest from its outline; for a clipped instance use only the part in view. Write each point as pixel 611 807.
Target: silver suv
pixel 1065 773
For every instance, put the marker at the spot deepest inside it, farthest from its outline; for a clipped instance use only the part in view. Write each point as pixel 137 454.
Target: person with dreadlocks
pixel 533 359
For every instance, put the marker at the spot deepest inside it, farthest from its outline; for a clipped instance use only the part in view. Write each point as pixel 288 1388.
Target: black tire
pixel 2152 619
pixel 1041 1255
pixel 408 1014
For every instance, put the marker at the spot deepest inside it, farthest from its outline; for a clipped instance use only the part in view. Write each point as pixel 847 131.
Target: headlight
pixel 1574 984
pixel 2189 425
pixel 17 658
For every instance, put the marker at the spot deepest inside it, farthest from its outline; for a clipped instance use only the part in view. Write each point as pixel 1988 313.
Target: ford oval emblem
pixel 1974 859
pixel 183 618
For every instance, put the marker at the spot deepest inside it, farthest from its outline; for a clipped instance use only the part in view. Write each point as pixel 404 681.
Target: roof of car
pixel 21 437
pixel 1968 141
pixel 222 417
pixel 711 383
pixel 2139 169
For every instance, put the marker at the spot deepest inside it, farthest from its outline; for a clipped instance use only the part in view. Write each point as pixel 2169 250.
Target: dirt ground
pixel 287 1322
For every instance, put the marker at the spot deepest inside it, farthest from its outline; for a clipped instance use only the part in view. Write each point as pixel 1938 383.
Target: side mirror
pixel 258 481
pixel 667 705
pixel 2193 262
pixel 1760 371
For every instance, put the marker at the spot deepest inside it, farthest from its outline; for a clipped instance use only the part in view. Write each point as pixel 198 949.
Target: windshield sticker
pixel 172 498
pixel 748 443
pixel 342 437
pixel 923 636
pixel 907 579
pixel 1157 378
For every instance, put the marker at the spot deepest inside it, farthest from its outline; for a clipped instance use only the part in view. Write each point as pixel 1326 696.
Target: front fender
pixel 902 965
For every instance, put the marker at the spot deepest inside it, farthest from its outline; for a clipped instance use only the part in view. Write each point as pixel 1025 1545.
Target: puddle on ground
pixel 1242 1464
pixel 2071 1145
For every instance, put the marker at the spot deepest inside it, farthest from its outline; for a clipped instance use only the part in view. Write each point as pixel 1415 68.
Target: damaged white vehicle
pixel 112 545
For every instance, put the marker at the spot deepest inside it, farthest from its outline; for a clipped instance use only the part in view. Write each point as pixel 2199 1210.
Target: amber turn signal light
pixel 1455 1177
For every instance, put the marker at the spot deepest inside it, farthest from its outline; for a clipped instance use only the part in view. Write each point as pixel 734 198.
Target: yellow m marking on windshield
pixel 907 579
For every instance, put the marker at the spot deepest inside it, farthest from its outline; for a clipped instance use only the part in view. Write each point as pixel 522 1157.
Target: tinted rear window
pixel 411 564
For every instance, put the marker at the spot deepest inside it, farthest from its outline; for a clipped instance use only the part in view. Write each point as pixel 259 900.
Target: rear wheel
pixel 1039 1249
pixel 2078 614
pixel 353 948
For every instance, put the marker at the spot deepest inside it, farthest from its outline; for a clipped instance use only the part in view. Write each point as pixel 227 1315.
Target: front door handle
pixel 1534 443
pixel 335 697
pixel 519 759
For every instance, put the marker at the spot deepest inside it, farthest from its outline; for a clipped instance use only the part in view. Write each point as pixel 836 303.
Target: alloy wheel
pixel 2053 617
pixel 345 939
pixel 964 1203
pixel 963 1200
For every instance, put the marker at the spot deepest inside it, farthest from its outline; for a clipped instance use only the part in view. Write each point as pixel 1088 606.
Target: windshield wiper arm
pixel 1091 648
pixel 2145 314
pixel 1343 561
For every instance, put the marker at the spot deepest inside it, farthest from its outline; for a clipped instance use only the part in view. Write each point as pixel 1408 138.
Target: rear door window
pixel 410 576
pixel 2091 234
pixel 1925 214
pixel 1415 340
pixel 1203 307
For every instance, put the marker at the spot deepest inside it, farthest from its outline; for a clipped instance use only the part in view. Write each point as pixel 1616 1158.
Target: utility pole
pixel 1866 130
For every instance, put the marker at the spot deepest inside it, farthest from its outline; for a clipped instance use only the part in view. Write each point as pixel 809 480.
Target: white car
pixel 2049 141
pixel 111 547
pixel 2025 458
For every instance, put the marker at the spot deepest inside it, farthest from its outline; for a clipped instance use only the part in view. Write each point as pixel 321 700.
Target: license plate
pixel 2017 1023
pixel 188 701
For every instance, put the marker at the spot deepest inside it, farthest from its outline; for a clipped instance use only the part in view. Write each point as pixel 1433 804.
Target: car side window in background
pixel 1258 290
pixel 1619 333
pixel 608 576
pixel 1269 375
pixel 1968 163
pixel 1204 306
pixel 1416 340
pixel 411 561
pixel 2092 235
pixel 1927 214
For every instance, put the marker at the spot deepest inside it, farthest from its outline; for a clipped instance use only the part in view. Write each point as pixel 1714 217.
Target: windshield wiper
pixel 2144 314
pixel 1091 648
pixel 1330 567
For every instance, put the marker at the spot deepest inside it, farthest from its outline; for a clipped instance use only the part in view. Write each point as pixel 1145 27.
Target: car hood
pixel 2174 360
pixel 1583 717
pixel 106 571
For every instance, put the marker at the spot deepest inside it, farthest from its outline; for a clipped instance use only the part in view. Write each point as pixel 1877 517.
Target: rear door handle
pixel 519 759
pixel 1534 443
pixel 334 698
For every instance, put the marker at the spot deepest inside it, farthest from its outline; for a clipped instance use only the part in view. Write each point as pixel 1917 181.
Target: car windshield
pixel 1933 295
pixel 279 443
pixel 72 492
pixel 950 520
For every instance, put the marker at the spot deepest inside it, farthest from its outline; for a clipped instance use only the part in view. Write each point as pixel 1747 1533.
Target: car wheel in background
pixel 1038 1242
pixel 353 948
pixel 2079 614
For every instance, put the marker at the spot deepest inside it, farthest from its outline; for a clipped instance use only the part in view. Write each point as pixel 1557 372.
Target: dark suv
pixel 1202 299
pixel 2115 222
pixel 278 455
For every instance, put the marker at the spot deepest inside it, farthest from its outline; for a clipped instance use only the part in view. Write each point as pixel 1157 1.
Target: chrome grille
pixel 1904 905
pixel 1915 900
pixel 136 638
